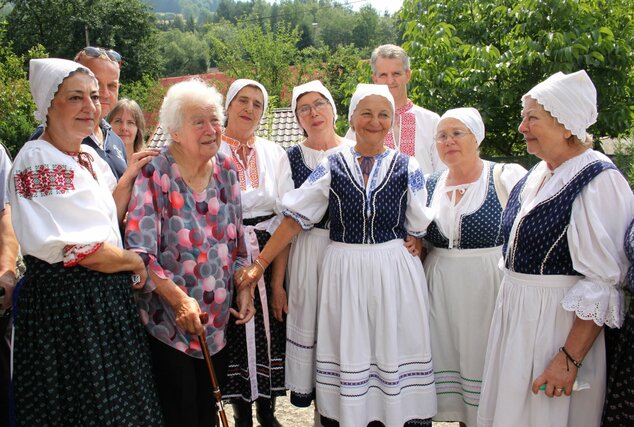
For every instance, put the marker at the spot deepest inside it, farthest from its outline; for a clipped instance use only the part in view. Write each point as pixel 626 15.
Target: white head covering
pixel 470 117
pixel 238 85
pixel 570 98
pixel 364 90
pixel 314 86
pixel 45 77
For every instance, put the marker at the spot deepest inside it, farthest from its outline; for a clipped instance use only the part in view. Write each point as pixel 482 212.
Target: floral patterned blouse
pixel 194 239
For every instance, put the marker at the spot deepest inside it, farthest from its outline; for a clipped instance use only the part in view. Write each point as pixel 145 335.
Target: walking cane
pixel 204 317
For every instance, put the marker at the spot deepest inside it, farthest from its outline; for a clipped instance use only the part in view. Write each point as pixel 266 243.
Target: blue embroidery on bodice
pixel 540 245
pixel 354 218
pixel 300 173
pixel 479 229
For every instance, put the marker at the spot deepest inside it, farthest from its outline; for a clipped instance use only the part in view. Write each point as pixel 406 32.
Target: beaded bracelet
pixel 263 259
pixel 570 358
pixel 259 263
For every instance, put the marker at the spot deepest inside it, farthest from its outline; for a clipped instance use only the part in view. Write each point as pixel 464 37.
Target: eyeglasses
pixel 454 135
pixel 98 52
pixel 318 105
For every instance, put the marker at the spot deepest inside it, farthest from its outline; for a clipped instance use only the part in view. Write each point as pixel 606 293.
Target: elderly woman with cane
pixel 184 221
pixel 564 226
pixel 373 352
pixel 80 356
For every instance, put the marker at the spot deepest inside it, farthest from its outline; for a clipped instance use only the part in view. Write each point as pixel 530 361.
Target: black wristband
pixel 572 359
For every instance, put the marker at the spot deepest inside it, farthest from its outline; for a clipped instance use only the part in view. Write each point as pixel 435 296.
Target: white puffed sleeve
pixel 417 215
pixel 57 205
pixel 308 203
pixel 599 219
pixel 511 174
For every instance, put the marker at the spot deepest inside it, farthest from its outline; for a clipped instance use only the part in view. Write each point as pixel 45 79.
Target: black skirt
pixel 80 353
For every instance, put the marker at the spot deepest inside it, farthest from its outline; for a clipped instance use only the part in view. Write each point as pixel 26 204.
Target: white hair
pixel 189 92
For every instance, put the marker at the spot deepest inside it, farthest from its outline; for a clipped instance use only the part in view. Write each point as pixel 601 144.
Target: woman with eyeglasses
pixel 564 264
pixel 316 113
pixel 373 356
pixel 256 352
pixel 464 248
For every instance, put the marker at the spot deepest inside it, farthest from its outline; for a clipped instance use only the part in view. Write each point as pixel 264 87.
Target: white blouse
pixel 261 200
pixel 599 219
pixel 448 213
pixel 310 201
pixel 57 203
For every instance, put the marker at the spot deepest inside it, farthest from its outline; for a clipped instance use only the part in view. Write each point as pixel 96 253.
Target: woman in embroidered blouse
pixel 462 266
pixel 316 113
pixel 563 263
pixel 184 220
pixel 80 354
pixel 370 367
pixel 259 347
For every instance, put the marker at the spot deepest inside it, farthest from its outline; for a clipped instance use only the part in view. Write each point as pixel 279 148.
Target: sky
pixel 380 5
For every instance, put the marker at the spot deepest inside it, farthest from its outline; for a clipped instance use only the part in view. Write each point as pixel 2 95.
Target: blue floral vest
pixel 540 245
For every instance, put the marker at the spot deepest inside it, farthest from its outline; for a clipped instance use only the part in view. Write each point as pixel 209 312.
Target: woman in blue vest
pixel 564 226
pixel 462 265
pixel 373 352
pixel 316 113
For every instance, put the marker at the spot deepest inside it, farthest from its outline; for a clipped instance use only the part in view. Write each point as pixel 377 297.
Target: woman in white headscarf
pixel 256 353
pixel 462 266
pixel 373 352
pixel 80 355
pixel 563 228
pixel 316 113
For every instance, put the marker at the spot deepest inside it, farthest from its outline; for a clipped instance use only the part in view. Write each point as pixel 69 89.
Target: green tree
pixel 487 54
pixel 62 27
pixel 184 52
pixel 16 104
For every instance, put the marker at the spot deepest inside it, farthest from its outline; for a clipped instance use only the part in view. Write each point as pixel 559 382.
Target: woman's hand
pixel 187 313
pixel 248 276
pixel 279 303
pixel 413 245
pixel 136 163
pixel 559 376
pixel 244 300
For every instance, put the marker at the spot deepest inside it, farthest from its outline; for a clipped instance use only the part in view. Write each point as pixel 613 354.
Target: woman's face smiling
pixel 545 137
pixel 314 112
pixel 199 135
pixel 245 111
pixel 124 125
pixel 455 142
pixel 372 119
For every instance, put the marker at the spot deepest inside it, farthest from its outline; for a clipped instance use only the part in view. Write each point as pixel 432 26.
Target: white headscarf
pixel 364 90
pixel 45 77
pixel 238 85
pixel 314 86
pixel 570 98
pixel 470 117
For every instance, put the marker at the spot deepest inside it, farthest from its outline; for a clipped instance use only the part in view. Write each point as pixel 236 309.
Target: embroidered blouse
pixel 60 211
pixel 195 239
pixel 308 204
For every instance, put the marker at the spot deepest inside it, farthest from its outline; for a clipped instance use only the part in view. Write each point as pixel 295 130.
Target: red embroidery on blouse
pixel 84 159
pixel 407 134
pixel 73 254
pixel 252 166
pixel 44 180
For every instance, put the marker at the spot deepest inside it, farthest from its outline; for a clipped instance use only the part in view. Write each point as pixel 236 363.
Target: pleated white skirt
pixel 373 345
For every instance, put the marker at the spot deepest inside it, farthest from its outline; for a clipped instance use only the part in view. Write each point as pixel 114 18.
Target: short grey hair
pixel 389 51
pixel 189 92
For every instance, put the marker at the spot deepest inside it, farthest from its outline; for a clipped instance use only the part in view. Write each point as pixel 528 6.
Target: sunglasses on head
pixel 97 52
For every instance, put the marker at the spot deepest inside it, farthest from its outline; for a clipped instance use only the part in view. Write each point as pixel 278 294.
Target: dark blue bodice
pixel 300 173
pixel 356 219
pixel 479 229
pixel 540 245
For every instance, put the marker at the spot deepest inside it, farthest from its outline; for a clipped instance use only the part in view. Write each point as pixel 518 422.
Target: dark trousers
pixel 5 374
pixel 184 386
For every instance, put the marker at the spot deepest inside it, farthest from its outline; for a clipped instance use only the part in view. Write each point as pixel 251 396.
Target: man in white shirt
pixel 414 126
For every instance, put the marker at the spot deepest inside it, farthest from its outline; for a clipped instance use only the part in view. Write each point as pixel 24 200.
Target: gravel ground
pixel 291 416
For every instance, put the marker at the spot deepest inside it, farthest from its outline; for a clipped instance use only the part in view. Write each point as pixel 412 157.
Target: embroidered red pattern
pixel 44 180
pixel 407 120
pixel 73 254
pixel 252 167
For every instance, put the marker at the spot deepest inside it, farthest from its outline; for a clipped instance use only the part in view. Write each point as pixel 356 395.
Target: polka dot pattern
pixel 300 173
pixel 191 238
